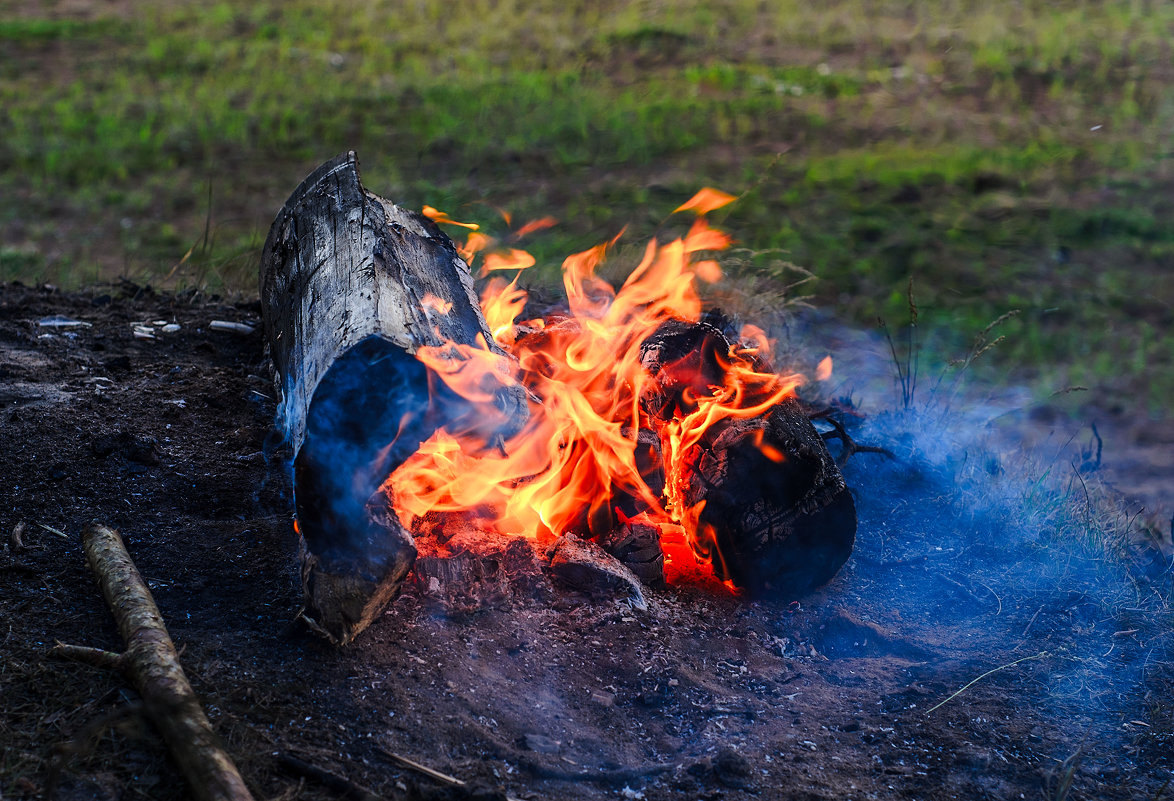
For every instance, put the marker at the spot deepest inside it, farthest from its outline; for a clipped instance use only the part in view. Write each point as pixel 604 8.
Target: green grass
pixel 1010 155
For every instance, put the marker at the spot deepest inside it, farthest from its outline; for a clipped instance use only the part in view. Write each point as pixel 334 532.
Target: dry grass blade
pixel 969 684
pixel 56 531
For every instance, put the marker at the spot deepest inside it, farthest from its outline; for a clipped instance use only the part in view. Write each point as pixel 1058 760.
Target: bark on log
pixel 776 526
pixel 152 665
pixel 351 287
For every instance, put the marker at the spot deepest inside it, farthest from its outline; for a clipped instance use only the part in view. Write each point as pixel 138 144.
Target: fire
pixel 579 463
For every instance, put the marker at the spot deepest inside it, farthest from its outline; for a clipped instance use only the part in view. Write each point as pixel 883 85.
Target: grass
pixel 1006 155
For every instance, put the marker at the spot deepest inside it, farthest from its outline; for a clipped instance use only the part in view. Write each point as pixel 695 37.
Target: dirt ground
pixel 968 561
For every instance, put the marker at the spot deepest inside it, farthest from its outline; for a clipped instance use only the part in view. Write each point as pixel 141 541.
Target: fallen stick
pixel 332 781
pixel 424 770
pixel 152 665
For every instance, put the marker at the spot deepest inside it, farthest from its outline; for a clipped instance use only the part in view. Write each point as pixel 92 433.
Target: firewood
pixel 467 569
pixel 778 518
pixel 352 286
pixel 152 665
pixel 638 548
pixel 584 566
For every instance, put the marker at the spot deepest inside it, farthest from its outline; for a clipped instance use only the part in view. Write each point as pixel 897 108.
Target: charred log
pixel 777 517
pixel 470 570
pixel 351 287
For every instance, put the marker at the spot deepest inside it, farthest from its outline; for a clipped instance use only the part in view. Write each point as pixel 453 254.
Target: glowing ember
pixel 580 464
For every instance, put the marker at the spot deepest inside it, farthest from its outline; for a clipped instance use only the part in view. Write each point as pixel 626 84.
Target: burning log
pixel 644 423
pixel 352 287
pixel 151 664
pixel 637 546
pixel 773 514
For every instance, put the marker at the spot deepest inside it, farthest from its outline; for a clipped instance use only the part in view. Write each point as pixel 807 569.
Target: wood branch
pixel 152 665
pixel 97 657
pixel 424 770
pixel 351 287
pixel 849 447
pixel 340 784
pixel 778 519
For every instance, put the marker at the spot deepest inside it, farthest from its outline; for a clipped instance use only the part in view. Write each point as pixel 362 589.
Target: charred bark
pixel 152 665
pixel 778 518
pixel 351 287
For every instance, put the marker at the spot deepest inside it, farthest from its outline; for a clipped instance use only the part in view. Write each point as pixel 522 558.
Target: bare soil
pixel 959 570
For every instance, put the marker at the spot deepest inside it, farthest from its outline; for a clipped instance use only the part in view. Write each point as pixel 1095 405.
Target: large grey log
pixel 351 287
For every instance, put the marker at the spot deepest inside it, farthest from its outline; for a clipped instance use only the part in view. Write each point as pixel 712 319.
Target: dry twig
pixel 424 770
pixel 850 446
pixel 152 665
pixel 332 781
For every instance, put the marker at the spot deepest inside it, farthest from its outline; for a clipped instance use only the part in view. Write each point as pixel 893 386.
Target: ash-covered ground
pixel 1003 629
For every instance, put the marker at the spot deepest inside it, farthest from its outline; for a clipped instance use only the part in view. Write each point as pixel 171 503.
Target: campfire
pixel 628 435
pixel 548 466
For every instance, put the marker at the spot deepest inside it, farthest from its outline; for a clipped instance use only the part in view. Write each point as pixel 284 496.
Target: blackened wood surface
pixel 773 526
pixel 779 528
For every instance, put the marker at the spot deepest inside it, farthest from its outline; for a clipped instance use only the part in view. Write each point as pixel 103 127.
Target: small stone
pixel 603 698
pixel 540 743
pixel 61 321
pixel 16 538
pixel 731 768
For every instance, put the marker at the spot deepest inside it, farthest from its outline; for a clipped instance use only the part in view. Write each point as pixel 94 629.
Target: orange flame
pixel 473 245
pixel 512 259
pixel 706 201
pixel 578 462
pixel 824 370
pixel 439 216
pixel 439 305
pixel 534 225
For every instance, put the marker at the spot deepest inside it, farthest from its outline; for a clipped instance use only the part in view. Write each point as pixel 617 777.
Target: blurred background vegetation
pixel 1005 155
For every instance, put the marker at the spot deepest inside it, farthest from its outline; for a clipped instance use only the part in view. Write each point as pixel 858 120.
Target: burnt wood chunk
pixel 352 286
pixel 473 570
pixel 778 518
pixel 637 547
pixel 346 589
pixel 584 566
